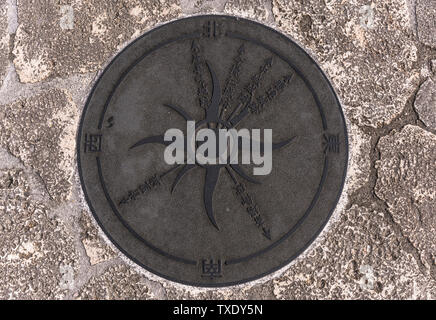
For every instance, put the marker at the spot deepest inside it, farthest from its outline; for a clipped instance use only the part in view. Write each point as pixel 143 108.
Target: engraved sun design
pixel 215 118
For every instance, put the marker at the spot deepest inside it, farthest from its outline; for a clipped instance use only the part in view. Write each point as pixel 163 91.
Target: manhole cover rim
pixel 244 281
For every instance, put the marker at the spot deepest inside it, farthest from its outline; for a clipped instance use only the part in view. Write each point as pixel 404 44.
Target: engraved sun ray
pixel 232 80
pixel 257 106
pixel 197 63
pixel 249 89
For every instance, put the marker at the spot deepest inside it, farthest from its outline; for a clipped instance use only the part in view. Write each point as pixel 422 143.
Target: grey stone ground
pixel 381 59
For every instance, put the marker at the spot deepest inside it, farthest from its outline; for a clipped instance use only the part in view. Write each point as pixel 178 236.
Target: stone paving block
pixel 117 282
pixel 254 9
pixel 367 49
pixel 360 258
pixel 40 131
pixel 37 256
pixel 359 166
pixel 4 40
pixel 426 21
pixel 433 65
pixel 407 183
pixel 64 37
pixel 96 249
pixel 202 6
pixel 262 291
pixel 425 103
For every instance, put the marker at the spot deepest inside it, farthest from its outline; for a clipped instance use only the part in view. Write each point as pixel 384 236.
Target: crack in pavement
pixel 367 195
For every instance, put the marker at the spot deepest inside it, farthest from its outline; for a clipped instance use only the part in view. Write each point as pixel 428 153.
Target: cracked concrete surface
pixel 380 57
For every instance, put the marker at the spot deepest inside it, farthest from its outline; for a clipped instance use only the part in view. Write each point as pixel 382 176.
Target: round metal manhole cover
pixel 205 223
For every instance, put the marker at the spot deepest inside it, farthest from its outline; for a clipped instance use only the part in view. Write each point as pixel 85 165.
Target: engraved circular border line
pixel 248 256
pixel 159 251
